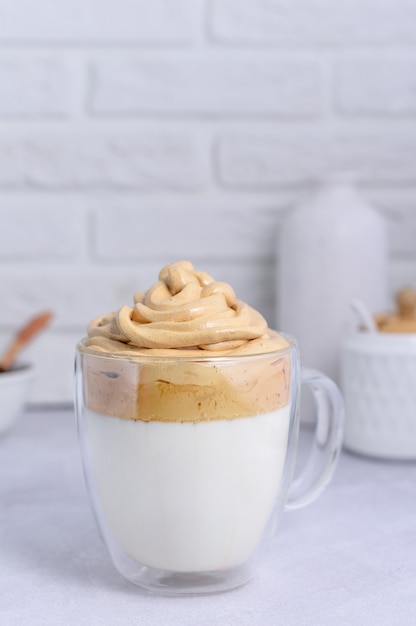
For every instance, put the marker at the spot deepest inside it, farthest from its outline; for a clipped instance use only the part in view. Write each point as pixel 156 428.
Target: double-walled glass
pixel 189 461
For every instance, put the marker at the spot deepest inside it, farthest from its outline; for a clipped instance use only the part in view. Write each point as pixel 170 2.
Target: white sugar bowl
pixel 378 379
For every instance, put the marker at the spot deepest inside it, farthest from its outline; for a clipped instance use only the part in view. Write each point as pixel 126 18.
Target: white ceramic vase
pixel 331 250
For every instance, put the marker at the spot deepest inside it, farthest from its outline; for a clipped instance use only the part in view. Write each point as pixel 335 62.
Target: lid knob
pixel 404 319
pixel 406 303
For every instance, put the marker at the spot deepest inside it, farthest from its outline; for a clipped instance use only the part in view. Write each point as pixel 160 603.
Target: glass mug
pixel 186 505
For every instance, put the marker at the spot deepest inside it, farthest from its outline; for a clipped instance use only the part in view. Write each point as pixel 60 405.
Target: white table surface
pixel 348 558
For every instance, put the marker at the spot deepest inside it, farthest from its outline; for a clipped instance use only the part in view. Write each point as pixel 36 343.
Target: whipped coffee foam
pixel 186 311
pixel 185 315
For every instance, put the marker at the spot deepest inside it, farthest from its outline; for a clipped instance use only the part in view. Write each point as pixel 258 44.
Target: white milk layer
pixel 188 497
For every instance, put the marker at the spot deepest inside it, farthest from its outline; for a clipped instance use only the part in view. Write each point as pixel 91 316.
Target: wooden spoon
pixel 29 330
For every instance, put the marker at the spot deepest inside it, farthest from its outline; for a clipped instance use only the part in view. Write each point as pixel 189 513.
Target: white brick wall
pixel 99 21
pixel 79 159
pixel 302 23
pixel 273 158
pixel 34 87
pixel 211 83
pixel 379 84
pixel 134 133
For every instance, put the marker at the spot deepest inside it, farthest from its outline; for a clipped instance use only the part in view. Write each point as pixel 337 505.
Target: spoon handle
pixel 32 328
pixel 364 316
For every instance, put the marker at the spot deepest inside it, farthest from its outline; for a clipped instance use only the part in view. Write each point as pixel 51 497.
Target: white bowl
pixel 378 380
pixel 14 390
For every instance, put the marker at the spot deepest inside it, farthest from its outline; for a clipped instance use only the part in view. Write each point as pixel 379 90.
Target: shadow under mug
pixel 188 505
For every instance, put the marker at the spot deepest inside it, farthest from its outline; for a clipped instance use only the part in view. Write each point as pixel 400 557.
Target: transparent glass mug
pixel 188 504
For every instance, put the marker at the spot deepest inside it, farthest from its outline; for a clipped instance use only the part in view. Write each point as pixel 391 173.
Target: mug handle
pixel 327 442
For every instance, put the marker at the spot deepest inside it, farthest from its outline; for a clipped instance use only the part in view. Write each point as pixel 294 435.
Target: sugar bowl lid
pixel 403 320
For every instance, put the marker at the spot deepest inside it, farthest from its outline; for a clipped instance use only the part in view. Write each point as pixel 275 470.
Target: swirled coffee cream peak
pixel 185 311
pixel 188 317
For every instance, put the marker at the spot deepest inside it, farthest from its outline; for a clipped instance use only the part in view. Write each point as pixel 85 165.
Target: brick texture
pixel 270 160
pixel 98 21
pixel 37 230
pixel 380 84
pixel 314 22
pixel 207 84
pixel 31 87
pixel 131 160
pixel 171 229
